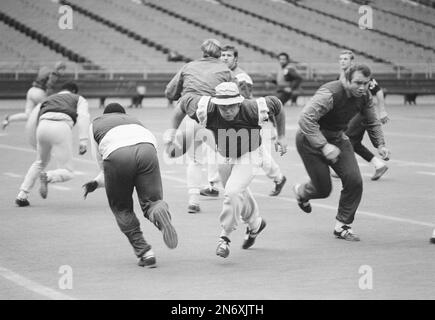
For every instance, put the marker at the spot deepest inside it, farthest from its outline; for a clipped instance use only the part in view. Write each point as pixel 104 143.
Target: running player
pixel 230 56
pixel 42 87
pixel 357 126
pixel 126 154
pixel 56 118
pixel 321 143
pixel 236 123
pixel 199 77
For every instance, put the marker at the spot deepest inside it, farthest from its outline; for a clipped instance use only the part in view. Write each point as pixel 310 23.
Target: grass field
pixel 296 257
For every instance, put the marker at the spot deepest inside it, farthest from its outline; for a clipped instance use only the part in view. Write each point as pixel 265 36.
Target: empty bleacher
pixel 422 13
pixel 101 44
pixel 20 51
pixel 135 37
pixel 181 36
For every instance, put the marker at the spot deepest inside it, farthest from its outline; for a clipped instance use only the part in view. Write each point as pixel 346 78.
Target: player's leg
pixel 355 132
pixel 33 97
pixel 43 154
pixel 319 186
pixel 212 166
pixel 238 201
pixel 272 170
pixel 348 170
pixel 60 136
pixel 148 183
pixel 119 174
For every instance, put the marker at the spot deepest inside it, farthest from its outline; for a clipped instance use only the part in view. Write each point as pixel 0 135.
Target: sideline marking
pixel 33 286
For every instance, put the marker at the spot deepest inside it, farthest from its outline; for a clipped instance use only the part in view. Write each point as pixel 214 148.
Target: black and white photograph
pixel 217 155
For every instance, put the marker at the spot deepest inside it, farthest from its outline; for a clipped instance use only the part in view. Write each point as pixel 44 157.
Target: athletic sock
pixel 194 197
pixel 378 163
pixel 22 195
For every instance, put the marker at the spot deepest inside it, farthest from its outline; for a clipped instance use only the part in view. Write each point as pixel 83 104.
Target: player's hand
pixel 83 147
pixel 384 153
pixel 169 136
pixel 288 90
pixel 281 145
pixel 331 152
pixel 384 117
pixel 89 187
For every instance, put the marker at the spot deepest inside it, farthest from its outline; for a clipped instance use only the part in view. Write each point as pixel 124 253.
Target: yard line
pixel 366 213
pixel 413 164
pixel 33 286
pixel 409 135
pixel 426 173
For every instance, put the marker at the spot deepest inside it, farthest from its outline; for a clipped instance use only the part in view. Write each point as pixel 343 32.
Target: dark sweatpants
pixel 355 132
pixel 131 167
pixel 320 184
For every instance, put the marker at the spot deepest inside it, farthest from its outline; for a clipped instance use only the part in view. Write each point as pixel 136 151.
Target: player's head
pixel 114 108
pixel 230 55
pixel 211 48
pixel 346 59
pixel 71 87
pixel 60 66
pixel 283 59
pixel 357 79
pixel 228 100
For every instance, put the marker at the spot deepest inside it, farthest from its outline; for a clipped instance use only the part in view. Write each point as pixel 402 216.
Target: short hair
pixel 364 69
pixel 348 52
pixel 114 107
pixel 284 54
pixel 211 48
pixel 231 48
pixel 71 87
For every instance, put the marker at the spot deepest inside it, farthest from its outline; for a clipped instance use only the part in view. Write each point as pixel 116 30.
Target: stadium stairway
pixel 304 33
pixel 129 33
pixel 49 43
pixel 353 23
pixel 210 29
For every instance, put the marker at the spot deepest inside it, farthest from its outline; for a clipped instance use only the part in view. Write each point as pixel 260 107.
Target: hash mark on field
pixel 12 175
pixel 60 188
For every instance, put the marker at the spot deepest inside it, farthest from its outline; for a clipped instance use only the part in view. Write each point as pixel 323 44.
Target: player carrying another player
pixel 230 56
pixel 198 77
pixel 236 123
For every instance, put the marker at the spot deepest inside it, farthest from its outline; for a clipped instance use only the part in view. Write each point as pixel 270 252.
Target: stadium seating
pixel 424 14
pixel 104 46
pixel 154 36
pixel 402 51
